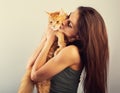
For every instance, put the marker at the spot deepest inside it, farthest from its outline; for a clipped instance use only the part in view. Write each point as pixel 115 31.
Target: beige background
pixel 22 23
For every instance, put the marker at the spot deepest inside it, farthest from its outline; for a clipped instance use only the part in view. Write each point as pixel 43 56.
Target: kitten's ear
pixel 47 13
pixel 62 12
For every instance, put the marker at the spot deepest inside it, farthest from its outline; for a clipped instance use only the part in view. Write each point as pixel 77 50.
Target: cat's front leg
pixel 61 42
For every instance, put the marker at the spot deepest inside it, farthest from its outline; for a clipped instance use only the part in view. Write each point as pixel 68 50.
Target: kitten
pixel 55 21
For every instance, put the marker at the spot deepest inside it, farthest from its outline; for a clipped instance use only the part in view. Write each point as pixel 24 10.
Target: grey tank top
pixel 66 81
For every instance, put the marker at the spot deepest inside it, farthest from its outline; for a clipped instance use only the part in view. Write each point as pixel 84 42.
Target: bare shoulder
pixel 70 52
pixel 71 49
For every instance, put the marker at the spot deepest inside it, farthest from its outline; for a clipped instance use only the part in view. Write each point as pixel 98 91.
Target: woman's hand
pixel 51 35
pixel 30 63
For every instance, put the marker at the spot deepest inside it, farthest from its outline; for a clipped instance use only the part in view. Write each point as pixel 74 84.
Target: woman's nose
pixel 65 22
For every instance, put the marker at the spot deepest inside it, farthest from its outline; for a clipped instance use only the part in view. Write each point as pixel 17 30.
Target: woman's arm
pixel 47 37
pixel 57 64
pixel 41 59
pixel 36 52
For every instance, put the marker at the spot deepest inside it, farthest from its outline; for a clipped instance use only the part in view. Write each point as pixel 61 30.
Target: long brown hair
pixel 94 50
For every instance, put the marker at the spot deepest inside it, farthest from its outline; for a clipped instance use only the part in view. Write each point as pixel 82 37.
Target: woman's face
pixel 69 26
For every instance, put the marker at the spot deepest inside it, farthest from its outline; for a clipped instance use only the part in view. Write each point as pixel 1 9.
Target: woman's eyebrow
pixel 69 14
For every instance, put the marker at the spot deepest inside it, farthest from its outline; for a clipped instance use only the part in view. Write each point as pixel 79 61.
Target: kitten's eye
pixel 51 22
pixel 57 22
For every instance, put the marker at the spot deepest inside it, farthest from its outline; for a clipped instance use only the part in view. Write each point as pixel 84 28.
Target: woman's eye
pixel 70 24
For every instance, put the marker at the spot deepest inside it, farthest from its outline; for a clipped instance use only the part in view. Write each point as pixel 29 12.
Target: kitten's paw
pixel 59 34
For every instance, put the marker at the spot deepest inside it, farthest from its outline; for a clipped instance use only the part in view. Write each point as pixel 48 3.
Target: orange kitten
pixel 55 21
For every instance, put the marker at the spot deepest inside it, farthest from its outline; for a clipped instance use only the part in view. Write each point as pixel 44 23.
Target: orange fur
pixel 26 83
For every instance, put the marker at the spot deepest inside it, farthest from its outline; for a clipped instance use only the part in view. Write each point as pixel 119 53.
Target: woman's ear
pixel 71 39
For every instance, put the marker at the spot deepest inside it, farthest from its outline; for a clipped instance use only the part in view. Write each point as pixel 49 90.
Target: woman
pixel 87 48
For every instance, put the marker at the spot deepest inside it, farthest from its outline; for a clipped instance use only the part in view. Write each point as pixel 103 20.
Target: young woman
pixel 87 48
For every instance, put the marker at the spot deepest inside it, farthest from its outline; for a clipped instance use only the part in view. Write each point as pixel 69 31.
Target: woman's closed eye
pixel 70 24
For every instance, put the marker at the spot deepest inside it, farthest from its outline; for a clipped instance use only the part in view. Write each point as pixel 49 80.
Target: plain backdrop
pixel 22 24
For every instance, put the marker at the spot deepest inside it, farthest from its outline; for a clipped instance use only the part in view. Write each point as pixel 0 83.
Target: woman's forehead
pixel 75 13
pixel 74 16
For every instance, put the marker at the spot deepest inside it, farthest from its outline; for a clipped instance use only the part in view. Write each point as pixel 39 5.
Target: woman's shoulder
pixel 72 52
pixel 72 48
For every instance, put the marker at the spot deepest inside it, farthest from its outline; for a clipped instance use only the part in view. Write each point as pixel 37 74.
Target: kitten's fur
pixel 55 21
pixel 27 86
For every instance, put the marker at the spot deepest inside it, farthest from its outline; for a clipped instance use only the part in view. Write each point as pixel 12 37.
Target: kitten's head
pixel 56 19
